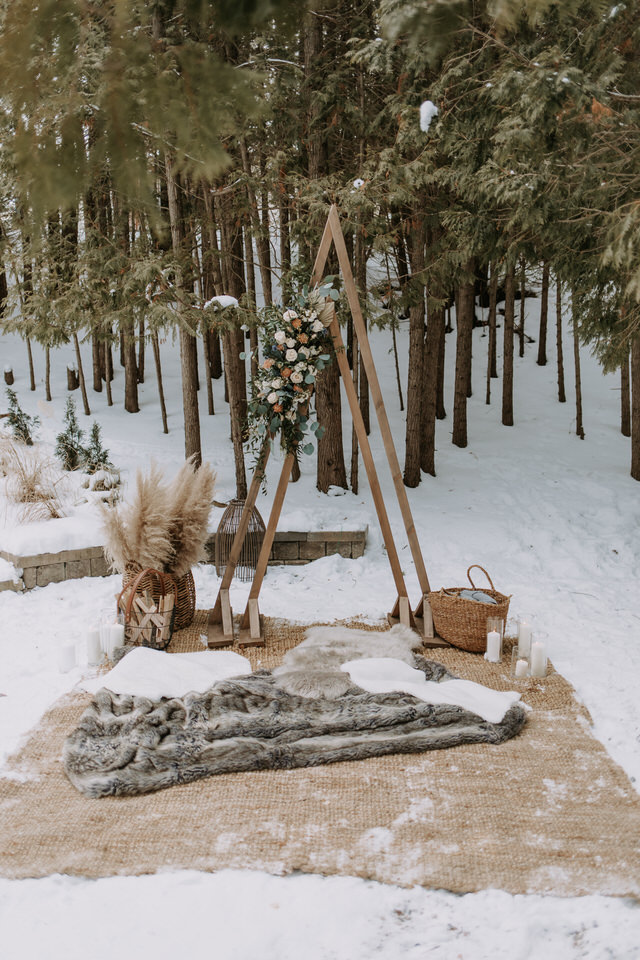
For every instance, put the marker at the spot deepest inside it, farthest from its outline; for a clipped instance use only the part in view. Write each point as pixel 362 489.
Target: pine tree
pixel 69 449
pixel 94 456
pixel 22 424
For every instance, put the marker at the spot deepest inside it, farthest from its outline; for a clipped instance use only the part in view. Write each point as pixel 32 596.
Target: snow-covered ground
pixel 554 520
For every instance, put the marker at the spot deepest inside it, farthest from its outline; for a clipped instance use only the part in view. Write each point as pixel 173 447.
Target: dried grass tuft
pixel 32 481
pixel 165 524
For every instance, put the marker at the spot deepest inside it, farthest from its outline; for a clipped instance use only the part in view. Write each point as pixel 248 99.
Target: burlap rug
pixel 546 812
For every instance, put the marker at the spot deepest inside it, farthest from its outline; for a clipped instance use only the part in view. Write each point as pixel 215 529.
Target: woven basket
pixel 185 589
pixel 149 620
pixel 463 623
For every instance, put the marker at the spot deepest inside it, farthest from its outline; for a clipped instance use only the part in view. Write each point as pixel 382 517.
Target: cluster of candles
pixel 529 656
pixel 105 639
pixel 100 642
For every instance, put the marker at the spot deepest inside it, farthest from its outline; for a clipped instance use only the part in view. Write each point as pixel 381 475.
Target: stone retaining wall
pixel 288 548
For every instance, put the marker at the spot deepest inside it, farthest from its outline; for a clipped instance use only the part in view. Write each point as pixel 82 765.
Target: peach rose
pixel 286 372
pixel 303 338
pixel 268 363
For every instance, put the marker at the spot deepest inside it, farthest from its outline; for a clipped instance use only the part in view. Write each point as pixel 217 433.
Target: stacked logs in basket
pixel 155 604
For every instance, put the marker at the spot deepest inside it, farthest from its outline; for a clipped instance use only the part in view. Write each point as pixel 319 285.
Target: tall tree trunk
pixel 262 248
pixel 212 278
pixel 4 291
pixel 413 436
pixel 353 473
pixel 83 386
pixel 331 467
pixel 108 371
pixel 435 333
pixel 464 341
pixel 188 354
pixel 127 334
pixel 128 353
pixel 635 407
pixel 492 351
pixel 232 364
pixel 156 356
pixel 578 379
pixel 249 266
pixel 232 259
pixel 507 361
pixel 523 284
pixel 396 363
pixel 47 373
pixel 441 412
pixel 285 240
pixel 97 358
pixel 544 315
pixel 625 398
pixel 562 397
pixel 141 345
pixel 32 373
pixel 206 347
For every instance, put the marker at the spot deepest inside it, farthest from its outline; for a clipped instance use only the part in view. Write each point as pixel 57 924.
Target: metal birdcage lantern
pixel 225 535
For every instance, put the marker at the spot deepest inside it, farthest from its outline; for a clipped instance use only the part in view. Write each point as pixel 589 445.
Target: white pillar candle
pixel 105 637
pixel 117 635
pixel 493 647
pixel 67 657
pixel 524 639
pixel 94 647
pixel 522 669
pixel 538 659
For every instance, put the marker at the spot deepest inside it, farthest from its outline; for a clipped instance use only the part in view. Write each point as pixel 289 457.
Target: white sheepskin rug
pixel 312 669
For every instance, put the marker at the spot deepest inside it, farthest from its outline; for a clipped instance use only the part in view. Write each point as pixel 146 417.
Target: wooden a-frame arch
pixel 220 622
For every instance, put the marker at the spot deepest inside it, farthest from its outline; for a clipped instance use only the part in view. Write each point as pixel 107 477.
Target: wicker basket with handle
pixel 184 586
pixel 149 620
pixel 463 622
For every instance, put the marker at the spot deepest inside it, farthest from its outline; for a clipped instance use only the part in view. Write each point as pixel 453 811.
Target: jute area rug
pixel 546 812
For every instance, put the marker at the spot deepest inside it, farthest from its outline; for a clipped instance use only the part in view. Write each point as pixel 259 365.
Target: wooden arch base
pixel 221 627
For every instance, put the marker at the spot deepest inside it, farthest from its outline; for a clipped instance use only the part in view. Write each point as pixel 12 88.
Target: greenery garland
pixel 295 348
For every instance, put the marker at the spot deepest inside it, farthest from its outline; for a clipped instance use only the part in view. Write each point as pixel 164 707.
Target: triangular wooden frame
pixel 220 624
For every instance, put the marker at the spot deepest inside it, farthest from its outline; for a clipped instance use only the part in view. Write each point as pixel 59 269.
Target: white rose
pixel 273 397
pixel 296 377
pixel 290 342
pixel 289 315
pixel 291 355
pixel 303 351
pixel 280 336
pixel 277 383
pixel 318 325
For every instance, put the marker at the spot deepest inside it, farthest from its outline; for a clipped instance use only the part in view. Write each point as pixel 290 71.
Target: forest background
pixel 157 155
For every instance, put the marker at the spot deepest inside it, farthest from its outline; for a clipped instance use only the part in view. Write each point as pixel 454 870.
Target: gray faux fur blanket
pixel 127 745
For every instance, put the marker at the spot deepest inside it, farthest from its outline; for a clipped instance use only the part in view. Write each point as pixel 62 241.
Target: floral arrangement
pixel 295 347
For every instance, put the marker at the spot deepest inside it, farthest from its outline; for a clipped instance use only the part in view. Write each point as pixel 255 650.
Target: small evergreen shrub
pixel 69 449
pixel 22 425
pixel 94 455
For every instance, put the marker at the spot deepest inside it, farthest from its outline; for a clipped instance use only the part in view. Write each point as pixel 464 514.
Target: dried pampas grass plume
pixel 165 525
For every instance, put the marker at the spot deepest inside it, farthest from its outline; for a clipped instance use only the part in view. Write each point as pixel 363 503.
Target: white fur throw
pixel 312 669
